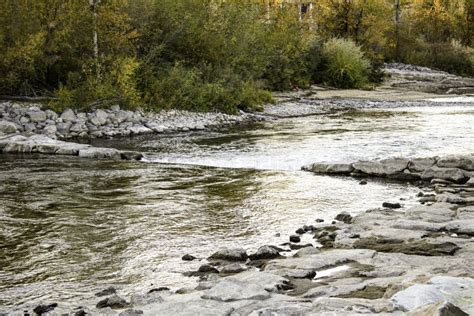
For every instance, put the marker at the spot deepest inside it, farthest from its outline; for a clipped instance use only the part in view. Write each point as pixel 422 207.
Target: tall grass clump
pixel 345 64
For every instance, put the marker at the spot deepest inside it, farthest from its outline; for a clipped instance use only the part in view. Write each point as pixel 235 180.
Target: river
pixel 71 227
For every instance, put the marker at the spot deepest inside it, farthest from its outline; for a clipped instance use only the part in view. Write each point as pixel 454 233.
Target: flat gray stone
pixel 330 168
pixel 68 115
pixel 233 290
pixel 382 168
pixel 421 164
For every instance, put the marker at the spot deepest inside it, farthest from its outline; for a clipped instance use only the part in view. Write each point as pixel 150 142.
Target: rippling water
pixel 70 227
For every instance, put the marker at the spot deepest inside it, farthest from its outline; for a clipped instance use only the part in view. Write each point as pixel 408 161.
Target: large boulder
pixel 450 174
pixel 382 168
pixel 7 127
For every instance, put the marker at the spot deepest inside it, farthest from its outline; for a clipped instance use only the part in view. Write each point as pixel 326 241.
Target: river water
pixel 71 227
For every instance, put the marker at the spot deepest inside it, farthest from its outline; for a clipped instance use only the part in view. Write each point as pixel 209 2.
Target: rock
pixel 450 174
pixel 363 182
pixel 295 238
pixel 382 168
pixel 344 217
pixel 438 309
pixel 99 153
pixel 7 127
pixel 50 130
pixel 421 164
pixel 409 247
pixel 299 246
pixel 68 115
pixel 108 291
pixel 232 268
pixel 265 252
pixel 330 168
pixel 114 302
pixel 391 205
pixel 37 116
pixel 99 118
pixel 80 312
pixel 230 289
pixel 51 115
pixel 131 312
pixel 300 231
pixel 465 162
pixel 205 268
pixel 188 257
pixel 236 254
pixel 131 155
pixel 63 128
pixel 43 309
pixel 159 289
pixel 319 220
pixel 145 299
pixel 299 274
pixel 140 129
pixel 307 251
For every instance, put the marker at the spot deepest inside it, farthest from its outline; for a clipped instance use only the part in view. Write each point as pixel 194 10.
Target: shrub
pixel 451 57
pixel 346 66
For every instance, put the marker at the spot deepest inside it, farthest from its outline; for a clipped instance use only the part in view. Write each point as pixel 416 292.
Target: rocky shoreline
pixel 392 260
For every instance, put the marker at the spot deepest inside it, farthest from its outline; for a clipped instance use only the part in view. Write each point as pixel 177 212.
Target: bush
pixel 450 57
pixel 345 64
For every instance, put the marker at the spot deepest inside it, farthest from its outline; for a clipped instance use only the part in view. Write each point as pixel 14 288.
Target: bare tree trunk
pixel 95 36
pixel 397 29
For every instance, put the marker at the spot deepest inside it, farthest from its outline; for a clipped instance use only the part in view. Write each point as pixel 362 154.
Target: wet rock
pixel 347 306
pixel 299 274
pixel 363 182
pixel 450 174
pixel 233 290
pixel 114 302
pixel 43 309
pixel 236 254
pixel 391 205
pixel 330 168
pixel 108 291
pixel 409 247
pixel 159 289
pixel 295 238
pixel 319 220
pixel 188 257
pixel 465 162
pixel 265 252
pixel 7 127
pixel 344 217
pixel 131 155
pixel 299 246
pixel 385 167
pixel 80 312
pixel 300 231
pixel 207 269
pixel 131 312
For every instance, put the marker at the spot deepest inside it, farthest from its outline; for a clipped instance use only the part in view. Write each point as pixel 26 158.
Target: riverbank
pixel 391 260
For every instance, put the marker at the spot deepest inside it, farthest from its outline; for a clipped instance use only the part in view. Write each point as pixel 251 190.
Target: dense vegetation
pixel 218 55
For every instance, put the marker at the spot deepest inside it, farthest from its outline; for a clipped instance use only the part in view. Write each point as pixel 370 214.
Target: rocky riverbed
pixel 391 260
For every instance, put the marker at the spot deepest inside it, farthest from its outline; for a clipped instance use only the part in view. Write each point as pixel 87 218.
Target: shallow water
pixel 70 227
